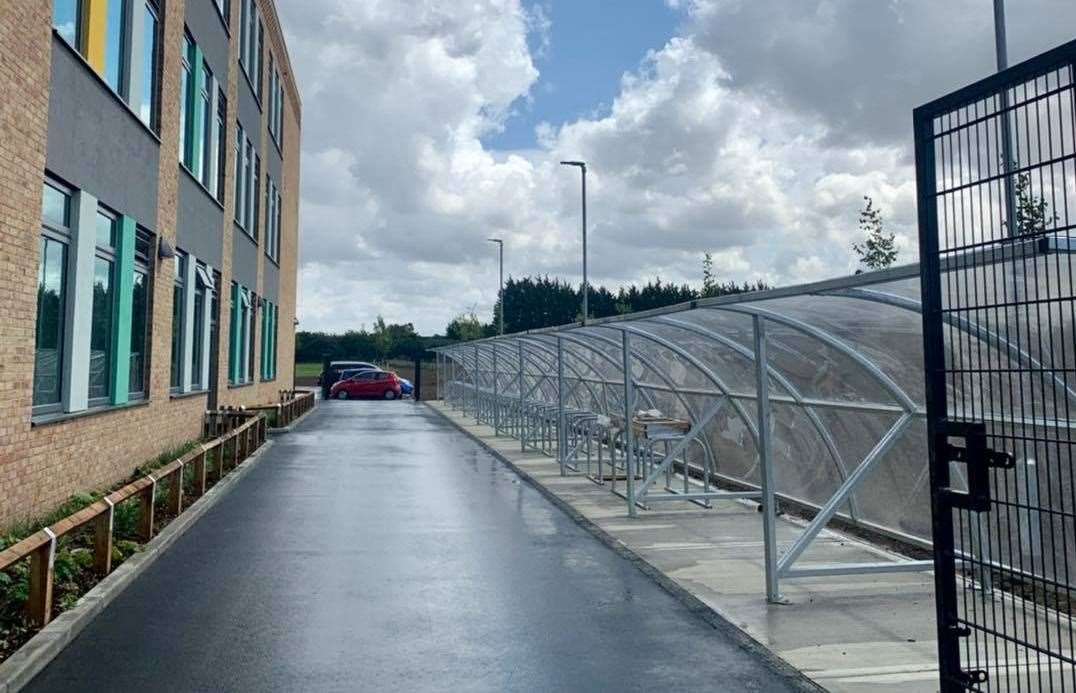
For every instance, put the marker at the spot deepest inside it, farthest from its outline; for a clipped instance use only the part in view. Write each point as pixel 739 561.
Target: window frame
pixel 179 283
pixel 144 266
pixel 186 101
pixel 204 176
pixel 222 143
pixel 59 233
pixel 109 255
pixel 154 124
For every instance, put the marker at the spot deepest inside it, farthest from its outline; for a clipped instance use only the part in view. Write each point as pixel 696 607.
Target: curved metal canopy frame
pixel 583 338
pixel 809 411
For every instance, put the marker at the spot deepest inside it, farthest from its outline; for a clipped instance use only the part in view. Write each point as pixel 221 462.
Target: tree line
pixel 535 302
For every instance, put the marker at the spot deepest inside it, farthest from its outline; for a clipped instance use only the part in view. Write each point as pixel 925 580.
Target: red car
pixel 380 384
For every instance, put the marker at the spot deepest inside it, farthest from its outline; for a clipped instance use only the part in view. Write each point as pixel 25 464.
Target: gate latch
pixel 978 458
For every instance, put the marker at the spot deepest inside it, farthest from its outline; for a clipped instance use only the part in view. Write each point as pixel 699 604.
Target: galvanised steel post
pixel 562 438
pixel 582 166
pixel 522 395
pixel 456 375
pixel 765 450
pixel 475 379
pixel 500 292
pixel 496 396
pixel 629 433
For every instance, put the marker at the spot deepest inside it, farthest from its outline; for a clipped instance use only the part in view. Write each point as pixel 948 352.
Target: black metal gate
pixel 996 172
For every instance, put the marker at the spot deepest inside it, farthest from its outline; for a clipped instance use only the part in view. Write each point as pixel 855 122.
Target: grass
pixel 307 370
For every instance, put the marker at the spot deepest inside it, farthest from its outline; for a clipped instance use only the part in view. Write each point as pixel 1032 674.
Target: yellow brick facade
pixel 42 464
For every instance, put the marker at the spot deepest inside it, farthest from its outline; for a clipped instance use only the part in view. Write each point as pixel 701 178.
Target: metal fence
pixel 996 168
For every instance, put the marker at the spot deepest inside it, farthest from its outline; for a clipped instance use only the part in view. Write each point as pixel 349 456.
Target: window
pixel 103 307
pixel 272 96
pixel 186 106
pixel 251 44
pixel 258 59
pixel 103 32
pixel 140 316
pixel 255 197
pixel 222 142
pixel 204 298
pixel 276 334
pixel 252 316
pixel 179 300
pixel 51 299
pixel 276 228
pixel 206 161
pixel 269 334
pixel 199 331
pixel 116 45
pixel 276 104
pixel 66 18
pixel 241 340
pixel 240 151
pixel 244 8
pixel 248 186
pixel 91 337
pixel 225 9
pixel 272 220
pixel 151 60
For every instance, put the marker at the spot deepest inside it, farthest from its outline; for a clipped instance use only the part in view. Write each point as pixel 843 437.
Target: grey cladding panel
pixel 250 115
pixel 273 162
pixel 206 28
pixel 245 256
pixel 200 222
pixel 270 280
pixel 96 143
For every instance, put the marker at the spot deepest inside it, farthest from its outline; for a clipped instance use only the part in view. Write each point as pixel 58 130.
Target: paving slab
pixel 847 633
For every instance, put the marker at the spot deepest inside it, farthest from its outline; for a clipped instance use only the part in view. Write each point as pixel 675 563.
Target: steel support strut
pixel 496 395
pixel 561 428
pixel 629 414
pixel 765 449
pixel 522 399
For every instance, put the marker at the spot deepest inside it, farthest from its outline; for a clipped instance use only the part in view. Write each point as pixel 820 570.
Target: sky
pixel 750 129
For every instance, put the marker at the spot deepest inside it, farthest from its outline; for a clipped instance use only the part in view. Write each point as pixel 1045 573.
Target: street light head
pixel 495 240
pixel 580 164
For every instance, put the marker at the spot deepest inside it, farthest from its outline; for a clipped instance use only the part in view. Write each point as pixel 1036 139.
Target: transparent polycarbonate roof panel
pixel 838 408
pixel 890 338
pixel 679 367
pixel 733 365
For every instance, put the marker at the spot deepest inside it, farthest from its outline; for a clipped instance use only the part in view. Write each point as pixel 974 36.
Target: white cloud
pixel 753 135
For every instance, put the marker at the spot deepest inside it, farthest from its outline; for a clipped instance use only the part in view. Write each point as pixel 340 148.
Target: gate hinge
pixel 973 677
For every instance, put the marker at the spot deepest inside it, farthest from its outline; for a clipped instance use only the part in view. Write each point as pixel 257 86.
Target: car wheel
pixel 342 394
pixel 390 394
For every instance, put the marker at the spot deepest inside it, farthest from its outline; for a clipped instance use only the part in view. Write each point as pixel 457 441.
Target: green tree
pixel 465 327
pixel 709 281
pixel 878 250
pixel 1032 211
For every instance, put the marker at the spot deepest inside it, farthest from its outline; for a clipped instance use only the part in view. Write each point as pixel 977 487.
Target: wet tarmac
pixel 376 548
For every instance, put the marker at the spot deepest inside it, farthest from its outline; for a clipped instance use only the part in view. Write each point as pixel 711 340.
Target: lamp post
pixel 582 166
pixel 500 291
pixel 1001 49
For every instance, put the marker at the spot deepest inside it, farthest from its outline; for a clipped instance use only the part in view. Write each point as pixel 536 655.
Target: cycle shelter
pixel 996 174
